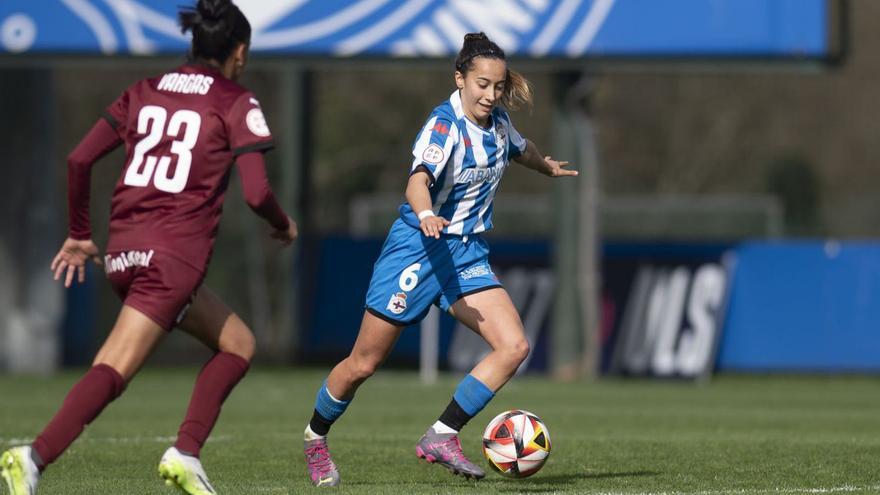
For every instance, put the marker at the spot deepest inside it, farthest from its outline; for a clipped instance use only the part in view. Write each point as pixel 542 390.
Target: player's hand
pixel 555 168
pixel 433 225
pixel 288 235
pixel 72 258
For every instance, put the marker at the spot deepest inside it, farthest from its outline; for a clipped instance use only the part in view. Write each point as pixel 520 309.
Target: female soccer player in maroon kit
pixel 182 132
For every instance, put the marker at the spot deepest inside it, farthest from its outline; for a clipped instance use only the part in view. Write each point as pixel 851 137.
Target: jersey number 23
pixel 143 169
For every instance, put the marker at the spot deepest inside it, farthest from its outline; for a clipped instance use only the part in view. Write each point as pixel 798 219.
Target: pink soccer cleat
pixel 322 471
pixel 445 449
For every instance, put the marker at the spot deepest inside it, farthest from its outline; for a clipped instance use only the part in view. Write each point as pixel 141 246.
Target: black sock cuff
pixel 454 416
pixel 319 424
pixel 38 461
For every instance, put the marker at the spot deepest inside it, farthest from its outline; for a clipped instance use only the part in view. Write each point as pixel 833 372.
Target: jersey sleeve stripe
pixel 263 146
pixel 111 119
pixel 422 168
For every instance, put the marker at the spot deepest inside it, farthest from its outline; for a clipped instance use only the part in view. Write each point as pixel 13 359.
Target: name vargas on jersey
pixel 188 84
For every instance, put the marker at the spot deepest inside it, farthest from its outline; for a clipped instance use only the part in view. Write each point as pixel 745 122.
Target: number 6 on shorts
pixel 409 278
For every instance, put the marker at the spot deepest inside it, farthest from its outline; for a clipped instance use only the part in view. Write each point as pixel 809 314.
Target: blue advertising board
pixel 662 305
pixel 678 310
pixel 434 28
pixel 804 306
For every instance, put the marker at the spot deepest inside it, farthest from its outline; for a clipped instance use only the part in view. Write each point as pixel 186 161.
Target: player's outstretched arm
pixel 419 198
pixel 79 248
pixel 546 165
pixel 260 198
pixel 100 140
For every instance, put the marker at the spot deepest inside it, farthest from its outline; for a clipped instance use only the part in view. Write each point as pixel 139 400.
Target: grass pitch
pixel 745 435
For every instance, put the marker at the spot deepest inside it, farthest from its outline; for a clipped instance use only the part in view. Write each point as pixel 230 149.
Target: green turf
pixel 737 435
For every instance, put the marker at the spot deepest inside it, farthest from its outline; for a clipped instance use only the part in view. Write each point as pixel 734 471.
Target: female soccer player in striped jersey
pixel 182 132
pixel 434 254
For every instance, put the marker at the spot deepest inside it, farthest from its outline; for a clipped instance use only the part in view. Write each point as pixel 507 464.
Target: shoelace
pixel 319 457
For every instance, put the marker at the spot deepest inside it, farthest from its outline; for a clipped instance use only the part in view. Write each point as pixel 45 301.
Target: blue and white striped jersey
pixel 466 162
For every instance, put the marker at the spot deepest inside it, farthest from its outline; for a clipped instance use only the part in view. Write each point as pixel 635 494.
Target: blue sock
pixel 470 398
pixel 472 395
pixel 327 410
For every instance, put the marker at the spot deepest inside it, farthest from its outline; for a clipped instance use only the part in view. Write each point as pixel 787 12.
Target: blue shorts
pixel 415 271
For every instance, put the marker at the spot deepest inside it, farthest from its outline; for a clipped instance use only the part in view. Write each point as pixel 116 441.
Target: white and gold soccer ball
pixel 516 443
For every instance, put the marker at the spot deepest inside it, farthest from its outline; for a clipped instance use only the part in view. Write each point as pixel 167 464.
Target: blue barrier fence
pixel 670 309
pixel 764 307
pixel 808 306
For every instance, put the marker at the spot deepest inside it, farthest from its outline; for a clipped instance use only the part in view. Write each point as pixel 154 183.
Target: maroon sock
pixel 217 378
pixel 83 404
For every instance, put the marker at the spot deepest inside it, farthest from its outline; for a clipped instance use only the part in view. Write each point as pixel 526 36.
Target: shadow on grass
pixel 552 483
pixel 572 477
pixel 538 484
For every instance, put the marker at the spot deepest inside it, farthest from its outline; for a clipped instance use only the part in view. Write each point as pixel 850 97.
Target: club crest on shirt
pixel 256 122
pixel 501 132
pixel 433 154
pixel 397 303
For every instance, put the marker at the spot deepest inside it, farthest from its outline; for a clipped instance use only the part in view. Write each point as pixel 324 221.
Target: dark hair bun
pixel 214 10
pixel 471 37
pixel 217 26
pixel 476 45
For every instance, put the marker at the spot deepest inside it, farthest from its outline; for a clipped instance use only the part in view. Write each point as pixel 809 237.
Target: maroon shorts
pixel 154 283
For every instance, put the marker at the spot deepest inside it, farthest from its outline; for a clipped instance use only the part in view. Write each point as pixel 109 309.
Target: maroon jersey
pixel 182 132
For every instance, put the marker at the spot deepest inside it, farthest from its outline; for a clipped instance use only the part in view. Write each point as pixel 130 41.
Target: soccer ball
pixel 516 443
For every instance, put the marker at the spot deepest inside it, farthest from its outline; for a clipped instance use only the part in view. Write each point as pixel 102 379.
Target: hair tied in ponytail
pixel 517 89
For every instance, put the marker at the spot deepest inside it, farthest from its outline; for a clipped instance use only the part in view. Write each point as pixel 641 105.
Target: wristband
pixel 425 214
